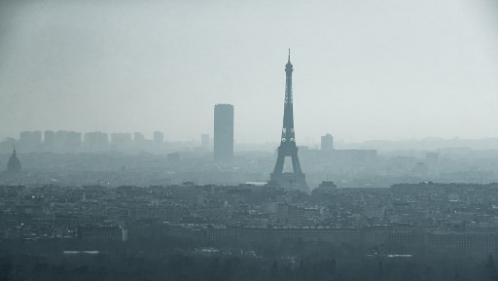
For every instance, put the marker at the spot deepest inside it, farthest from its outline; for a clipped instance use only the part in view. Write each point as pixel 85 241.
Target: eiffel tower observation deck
pixel 294 179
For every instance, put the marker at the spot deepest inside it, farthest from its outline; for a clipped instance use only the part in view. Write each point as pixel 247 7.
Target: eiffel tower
pixel 288 148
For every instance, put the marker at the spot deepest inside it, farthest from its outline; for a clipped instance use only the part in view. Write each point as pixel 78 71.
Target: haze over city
pixel 249 140
pixel 363 69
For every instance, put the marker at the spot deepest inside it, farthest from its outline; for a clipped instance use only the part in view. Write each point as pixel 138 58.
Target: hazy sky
pixel 364 69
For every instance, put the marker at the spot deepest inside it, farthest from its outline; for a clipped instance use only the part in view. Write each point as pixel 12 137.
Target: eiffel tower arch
pixel 288 148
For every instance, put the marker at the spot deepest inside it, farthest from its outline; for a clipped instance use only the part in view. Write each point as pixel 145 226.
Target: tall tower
pixel 288 147
pixel 223 132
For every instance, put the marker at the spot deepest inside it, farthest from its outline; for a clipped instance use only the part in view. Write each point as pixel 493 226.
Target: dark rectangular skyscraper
pixel 223 132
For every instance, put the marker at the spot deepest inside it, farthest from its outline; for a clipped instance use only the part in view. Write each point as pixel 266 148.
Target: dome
pixel 14 165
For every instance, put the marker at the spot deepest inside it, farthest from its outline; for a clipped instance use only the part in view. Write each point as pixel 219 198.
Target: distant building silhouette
pixel 158 137
pixel 96 141
pixel 327 143
pixel 288 147
pixel 138 139
pixel 67 141
pixel 223 132
pixel 121 140
pixel 13 165
pixel 49 140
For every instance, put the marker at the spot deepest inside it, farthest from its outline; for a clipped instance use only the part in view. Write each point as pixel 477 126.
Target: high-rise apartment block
pixel 223 132
pixel 327 143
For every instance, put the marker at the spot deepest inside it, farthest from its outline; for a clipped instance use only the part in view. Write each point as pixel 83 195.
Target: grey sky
pixel 369 69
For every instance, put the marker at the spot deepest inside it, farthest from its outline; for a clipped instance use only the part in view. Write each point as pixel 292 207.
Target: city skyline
pixel 178 140
pixel 362 77
pixel 158 136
